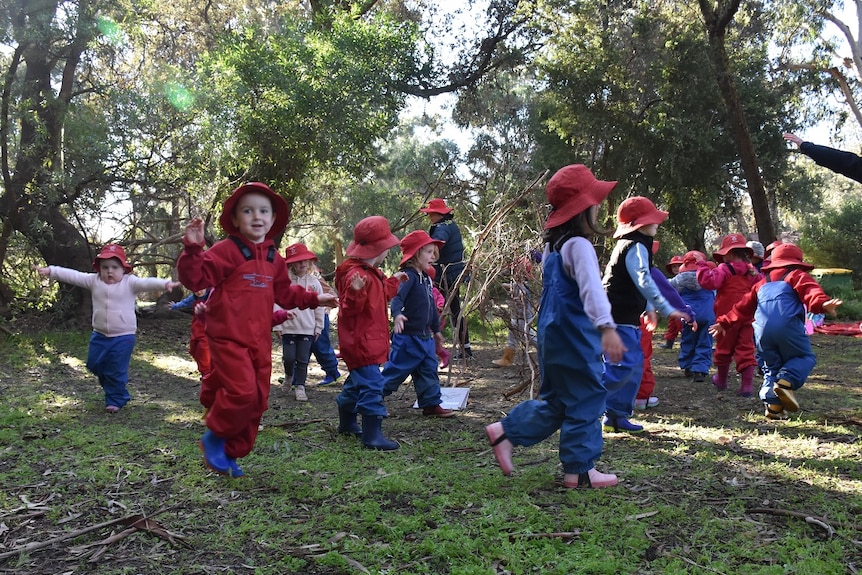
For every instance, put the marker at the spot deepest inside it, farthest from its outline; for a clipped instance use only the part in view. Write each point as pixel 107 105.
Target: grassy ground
pixel 711 487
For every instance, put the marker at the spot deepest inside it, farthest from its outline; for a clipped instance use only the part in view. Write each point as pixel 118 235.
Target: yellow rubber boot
pixel 507 359
pixel 784 391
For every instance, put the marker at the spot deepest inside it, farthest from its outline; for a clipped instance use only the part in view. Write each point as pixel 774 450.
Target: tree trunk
pixel 716 21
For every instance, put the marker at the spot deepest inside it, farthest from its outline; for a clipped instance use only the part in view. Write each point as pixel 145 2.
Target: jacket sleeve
pixel 845 163
pixel 809 291
pixel 744 309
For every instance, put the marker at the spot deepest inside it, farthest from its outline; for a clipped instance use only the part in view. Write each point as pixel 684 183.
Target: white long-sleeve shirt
pixel 580 262
pixel 304 321
pixel 113 304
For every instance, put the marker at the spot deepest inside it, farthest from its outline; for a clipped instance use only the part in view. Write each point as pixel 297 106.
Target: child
pixel 575 327
pixel 248 276
pixel 199 347
pixel 416 327
pixel 757 253
pixel 363 330
pixel 113 289
pixel 440 303
pixel 674 326
pixel 732 279
pixel 303 326
pixel 776 306
pixel 631 288
pixel 695 348
pixel 321 348
pixel 644 397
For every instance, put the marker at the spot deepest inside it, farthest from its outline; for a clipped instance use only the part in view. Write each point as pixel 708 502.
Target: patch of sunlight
pixel 73 362
pixel 172 363
pixel 56 400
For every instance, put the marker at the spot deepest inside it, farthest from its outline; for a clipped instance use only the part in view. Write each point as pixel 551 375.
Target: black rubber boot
pixel 372 436
pixel 347 422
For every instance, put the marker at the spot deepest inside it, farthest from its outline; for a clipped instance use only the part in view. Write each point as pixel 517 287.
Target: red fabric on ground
pixel 851 328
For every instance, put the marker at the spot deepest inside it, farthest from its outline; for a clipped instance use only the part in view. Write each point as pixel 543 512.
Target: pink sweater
pixel 113 304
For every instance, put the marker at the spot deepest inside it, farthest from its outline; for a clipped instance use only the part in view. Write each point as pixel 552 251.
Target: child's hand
pixel 612 345
pixel 194 232
pixel 402 276
pixel 829 306
pixel 398 323
pixel 169 285
pixel 715 330
pixel 43 271
pixel 327 300
pixel 693 326
pixel 200 308
pixel 651 321
pixel 357 281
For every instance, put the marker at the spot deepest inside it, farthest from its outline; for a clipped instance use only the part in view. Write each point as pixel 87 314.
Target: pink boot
pixel 719 380
pixel 591 478
pixel 746 382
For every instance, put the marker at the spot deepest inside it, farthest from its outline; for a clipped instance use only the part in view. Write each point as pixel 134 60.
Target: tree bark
pixel 716 21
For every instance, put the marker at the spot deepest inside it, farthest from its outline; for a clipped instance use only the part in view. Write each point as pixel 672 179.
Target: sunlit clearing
pixel 111 31
pixel 178 96
pixel 172 363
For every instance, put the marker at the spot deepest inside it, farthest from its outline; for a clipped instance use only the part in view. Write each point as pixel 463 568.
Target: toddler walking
pixel 632 292
pixel 416 327
pixel 777 305
pixel 303 326
pixel 248 276
pixel 575 327
pixel 363 330
pixel 113 289
pixel 731 279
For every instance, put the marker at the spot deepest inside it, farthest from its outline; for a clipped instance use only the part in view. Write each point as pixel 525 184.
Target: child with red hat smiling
pixel 248 276
pixel 363 330
pixel 777 306
pixel 416 327
pixel 731 279
pixel 303 326
pixel 113 289
pixel 575 326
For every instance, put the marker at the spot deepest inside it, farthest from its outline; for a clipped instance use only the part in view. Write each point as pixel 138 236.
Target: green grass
pixel 690 502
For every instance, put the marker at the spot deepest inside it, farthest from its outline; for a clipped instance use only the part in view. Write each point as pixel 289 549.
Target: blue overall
pixel 623 379
pixel 108 359
pixel 322 350
pixel 413 351
pixel 695 347
pixel 572 397
pixel 779 334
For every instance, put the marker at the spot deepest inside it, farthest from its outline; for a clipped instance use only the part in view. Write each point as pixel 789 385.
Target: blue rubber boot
pixel 372 435
pixel 212 447
pixel 234 470
pixel 618 424
pixel 330 379
pixel 347 422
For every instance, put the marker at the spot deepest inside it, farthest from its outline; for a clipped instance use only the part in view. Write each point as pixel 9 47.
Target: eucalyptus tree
pixel 629 88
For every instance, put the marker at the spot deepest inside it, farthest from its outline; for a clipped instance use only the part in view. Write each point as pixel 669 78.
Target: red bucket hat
pixel 414 241
pixel 437 206
pixel 731 242
pixel 572 190
pixel 113 251
pixel 769 249
pixel 674 261
pixel 279 207
pixel 371 237
pixel 635 213
pixel 690 259
pixel 786 255
pixel 297 253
